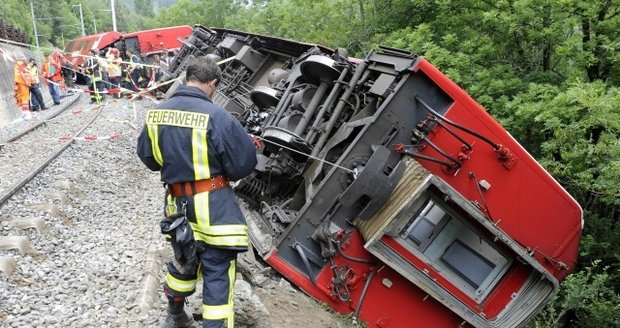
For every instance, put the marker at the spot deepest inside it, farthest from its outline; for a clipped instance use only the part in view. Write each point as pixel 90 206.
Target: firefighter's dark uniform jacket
pixel 188 138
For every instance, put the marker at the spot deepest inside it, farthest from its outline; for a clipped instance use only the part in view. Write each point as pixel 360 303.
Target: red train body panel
pixel 75 50
pixel 155 41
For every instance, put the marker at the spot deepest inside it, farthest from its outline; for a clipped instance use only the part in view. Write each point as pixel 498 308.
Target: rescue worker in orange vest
pixel 23 81
pixel 52 72
pixel 198 147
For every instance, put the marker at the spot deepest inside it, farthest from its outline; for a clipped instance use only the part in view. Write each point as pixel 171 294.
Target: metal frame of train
pixel 384 191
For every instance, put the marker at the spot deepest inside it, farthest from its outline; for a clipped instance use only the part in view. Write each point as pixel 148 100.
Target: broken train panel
pixel 384 190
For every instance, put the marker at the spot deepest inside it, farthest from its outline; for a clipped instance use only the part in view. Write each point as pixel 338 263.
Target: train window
pixel 421 231
pixel 467 263
pixel 459 252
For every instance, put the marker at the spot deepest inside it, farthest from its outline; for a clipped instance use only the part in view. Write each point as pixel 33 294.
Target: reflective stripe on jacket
pixel 188 138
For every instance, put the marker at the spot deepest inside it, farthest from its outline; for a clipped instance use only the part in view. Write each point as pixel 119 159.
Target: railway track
pixel 34 144
pixel 47 156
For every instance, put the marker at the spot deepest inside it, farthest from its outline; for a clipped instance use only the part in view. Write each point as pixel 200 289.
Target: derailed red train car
pixel 383 190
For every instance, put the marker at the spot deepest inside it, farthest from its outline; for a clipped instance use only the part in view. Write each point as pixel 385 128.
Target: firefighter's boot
pixel 177 318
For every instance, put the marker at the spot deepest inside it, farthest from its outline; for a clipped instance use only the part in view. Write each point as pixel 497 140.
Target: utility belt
pixel 190 188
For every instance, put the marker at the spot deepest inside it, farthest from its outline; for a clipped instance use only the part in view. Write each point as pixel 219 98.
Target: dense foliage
pixel 548 70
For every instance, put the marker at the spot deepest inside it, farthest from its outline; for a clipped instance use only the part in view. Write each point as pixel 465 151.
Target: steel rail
pixel 8 193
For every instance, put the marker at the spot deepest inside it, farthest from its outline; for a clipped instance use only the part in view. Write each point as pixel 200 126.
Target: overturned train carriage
pixel 383 190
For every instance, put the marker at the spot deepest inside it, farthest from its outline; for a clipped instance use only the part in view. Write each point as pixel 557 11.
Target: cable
pixel 402 149
pixel 472 175
pixel 456 125
pixel 351 258
pixel 455 162
pixel 468 146
pixel 363 295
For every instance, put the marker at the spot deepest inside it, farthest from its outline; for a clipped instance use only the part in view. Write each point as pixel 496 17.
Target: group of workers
pixel 108 73
pixel 28 79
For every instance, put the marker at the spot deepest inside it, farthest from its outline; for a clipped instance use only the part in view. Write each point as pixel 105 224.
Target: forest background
pixel 548 70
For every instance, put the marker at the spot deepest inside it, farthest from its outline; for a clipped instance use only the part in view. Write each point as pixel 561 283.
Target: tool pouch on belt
pixel 182 241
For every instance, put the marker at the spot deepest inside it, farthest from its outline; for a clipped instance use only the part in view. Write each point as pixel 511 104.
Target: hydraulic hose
pixel 351 258
pixel 304 259
pixel 363 295
pixel 456 125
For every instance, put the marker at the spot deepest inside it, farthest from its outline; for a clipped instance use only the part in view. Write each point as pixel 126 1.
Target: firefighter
pixel 113 69
pixel 204 147
pixel 92 70
pixel 155 72
pixel 53 75
pixel 168 59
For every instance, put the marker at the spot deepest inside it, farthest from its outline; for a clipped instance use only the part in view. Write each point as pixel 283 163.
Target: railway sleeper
pixel 37 223
pixel 7 265
pixel 21 243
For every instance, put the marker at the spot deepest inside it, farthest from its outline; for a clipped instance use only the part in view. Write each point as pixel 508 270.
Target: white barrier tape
pixel 98 138
pixel 7 57
pixel 223 61
pixel 153 87
pixel 123 122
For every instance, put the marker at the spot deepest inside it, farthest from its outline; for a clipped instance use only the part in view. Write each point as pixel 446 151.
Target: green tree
pixel 206 12
pixel 583 301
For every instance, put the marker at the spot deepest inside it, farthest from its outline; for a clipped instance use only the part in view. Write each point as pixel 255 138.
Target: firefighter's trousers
pixel 22 96
pixel 96 87
pixel 115 83
pixel 218 269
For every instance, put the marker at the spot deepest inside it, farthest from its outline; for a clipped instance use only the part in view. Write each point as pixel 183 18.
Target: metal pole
pixel 82 20
pixel 34 26
pixel 113 15
pixel 95 23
